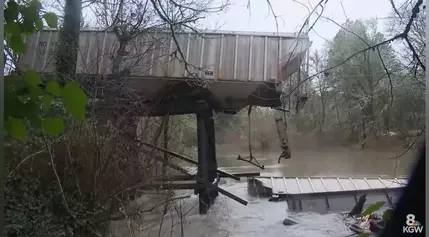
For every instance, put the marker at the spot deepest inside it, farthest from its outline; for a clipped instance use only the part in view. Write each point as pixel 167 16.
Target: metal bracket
pixel 251 158
pixel 250 161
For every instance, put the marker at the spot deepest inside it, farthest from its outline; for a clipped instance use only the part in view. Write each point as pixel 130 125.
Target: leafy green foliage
pixel 16 128
pixel 27 96
pixel 53 126
pixel 21 20
pixel 34 208
pixel 35 203
pixel 32 78
pixel 53 88
pixel 372 208
pixel 51 19
pixel 75 100
pixel 387 214
pixel 47 101
pixel 28 209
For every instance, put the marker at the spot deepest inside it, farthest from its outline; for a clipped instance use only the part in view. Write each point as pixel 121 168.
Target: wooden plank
pixel 225 174
pixel 172 186
pixel 175 177
pixel 173 166
pixel 185 185
pixel 184 158
pixel 232 196
pixel 245 174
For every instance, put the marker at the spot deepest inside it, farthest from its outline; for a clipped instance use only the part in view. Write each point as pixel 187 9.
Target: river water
pixel 261 218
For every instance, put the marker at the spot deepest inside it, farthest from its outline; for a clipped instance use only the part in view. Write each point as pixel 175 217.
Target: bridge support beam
pixel 207 164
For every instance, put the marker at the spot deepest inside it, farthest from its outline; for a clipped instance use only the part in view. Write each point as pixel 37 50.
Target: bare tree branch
pixel 387 41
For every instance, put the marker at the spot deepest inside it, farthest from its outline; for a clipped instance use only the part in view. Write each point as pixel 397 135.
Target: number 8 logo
pixel 410 219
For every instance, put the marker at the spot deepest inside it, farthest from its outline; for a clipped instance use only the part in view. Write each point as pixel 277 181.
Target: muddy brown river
pixel 261 218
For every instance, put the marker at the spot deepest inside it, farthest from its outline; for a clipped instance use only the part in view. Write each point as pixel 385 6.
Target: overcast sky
pixel 238 17
pixel 258 18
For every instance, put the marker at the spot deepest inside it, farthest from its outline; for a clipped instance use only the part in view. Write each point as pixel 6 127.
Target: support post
pixel 207 164
pixel 203 153
pixel 212 159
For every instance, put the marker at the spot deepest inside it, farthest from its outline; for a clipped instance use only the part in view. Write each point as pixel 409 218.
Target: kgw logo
pixel 413 226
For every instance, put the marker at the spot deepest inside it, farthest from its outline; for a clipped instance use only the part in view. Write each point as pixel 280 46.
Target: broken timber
pixel 208 174
pixel 191 161
pixel 324 194
pixel 193 177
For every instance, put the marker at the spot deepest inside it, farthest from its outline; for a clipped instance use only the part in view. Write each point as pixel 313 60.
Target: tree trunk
pixel 370 111
pixel 69 41
pixel 337 111
pixel 116 67
pixel 165 143
pixel 387 122
pixel 364 135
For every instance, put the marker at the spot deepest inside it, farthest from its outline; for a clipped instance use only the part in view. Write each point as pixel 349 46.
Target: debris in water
pixel 357 209
pixel 372 224
pixel 288 221
pixel 274 198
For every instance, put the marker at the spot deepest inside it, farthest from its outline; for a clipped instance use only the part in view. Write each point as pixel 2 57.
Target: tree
pixel 362 81
pixel 320 88
pixel 413 49
pixel 409 111
pixel 66 56
pixel 29 98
